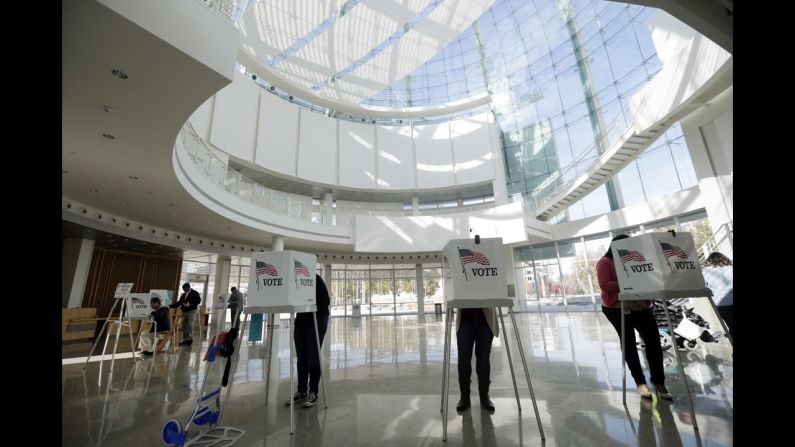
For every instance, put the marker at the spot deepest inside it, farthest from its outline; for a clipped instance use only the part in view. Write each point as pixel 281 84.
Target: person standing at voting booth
pixel 306 346
pixel 188 303
pixel 475 327
pixel 638 317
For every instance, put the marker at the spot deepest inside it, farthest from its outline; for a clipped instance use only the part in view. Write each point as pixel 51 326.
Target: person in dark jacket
pixel 306 346
pixel 188 303
pixel 235 305
pixel 162 322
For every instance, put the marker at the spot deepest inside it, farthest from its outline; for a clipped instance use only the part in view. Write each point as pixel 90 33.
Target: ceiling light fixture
pixel 108 136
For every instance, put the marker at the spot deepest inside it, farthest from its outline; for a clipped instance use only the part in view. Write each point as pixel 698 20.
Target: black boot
pixel 464 403
pixel 483 390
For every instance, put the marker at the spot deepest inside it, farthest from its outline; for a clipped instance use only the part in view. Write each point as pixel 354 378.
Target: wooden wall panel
pixel 110 267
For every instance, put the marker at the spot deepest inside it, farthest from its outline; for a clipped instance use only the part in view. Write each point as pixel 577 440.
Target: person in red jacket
pixel 641 318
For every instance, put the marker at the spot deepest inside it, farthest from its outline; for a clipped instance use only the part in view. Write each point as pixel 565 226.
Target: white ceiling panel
pixel 352 38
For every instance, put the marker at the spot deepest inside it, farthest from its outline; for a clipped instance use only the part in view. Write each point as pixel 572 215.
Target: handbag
pixel 635 305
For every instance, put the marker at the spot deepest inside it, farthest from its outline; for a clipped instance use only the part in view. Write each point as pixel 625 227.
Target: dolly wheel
pixel 172 432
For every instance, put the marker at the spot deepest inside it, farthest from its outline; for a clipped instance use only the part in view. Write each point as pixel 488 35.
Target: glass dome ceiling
pixel 557 74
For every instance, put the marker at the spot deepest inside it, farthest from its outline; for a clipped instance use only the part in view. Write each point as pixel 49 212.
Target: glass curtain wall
pixel 562 276
pixel 405 288
pixel 432 286
pixel 559 74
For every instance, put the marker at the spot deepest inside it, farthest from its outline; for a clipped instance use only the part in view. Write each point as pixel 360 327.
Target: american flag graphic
pixel 470 257
pixel 631 255
pixel 673 250
pixel 300 269
pixel 263 268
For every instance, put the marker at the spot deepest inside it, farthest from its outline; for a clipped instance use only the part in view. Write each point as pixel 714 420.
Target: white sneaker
pixel 297 398
pixel 311 400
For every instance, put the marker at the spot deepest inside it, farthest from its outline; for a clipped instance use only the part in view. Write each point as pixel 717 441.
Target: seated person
pixel 160 316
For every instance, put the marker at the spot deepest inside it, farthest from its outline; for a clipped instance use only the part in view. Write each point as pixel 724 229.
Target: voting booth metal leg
pixel 681 367
pixel 526 370
pixel 292 367
pixel 104 328
pixel 445 361
pixel 320 361
pixel 722 323
pixel 624 357
pixel 269 353
pixel 446 376
pixel 510 362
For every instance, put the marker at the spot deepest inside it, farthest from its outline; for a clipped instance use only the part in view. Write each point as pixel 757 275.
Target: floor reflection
pixel 383 378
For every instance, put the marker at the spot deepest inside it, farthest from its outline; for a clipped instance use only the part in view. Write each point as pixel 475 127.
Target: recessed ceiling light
pixel 119 74
pixel 150 193
pixel 132 177
pixel 108 136
pixel 65 172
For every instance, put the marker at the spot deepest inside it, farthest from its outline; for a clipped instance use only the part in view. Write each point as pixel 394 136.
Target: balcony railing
pixel 218 171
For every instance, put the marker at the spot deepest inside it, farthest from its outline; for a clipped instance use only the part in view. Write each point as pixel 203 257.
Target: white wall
pixel 670 205
pixel 395 158
pixel 403 234
pixel 253 125
pixel 690 63
pixel 357 155
pixel 201 119
pixel 277 138
pixel 472 149
pixel 235 118
pixel 317 148
pixel 188 26
pixel 708 133
pixel 434 154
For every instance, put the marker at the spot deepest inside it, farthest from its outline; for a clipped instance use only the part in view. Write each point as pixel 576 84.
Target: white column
pixel 328 207
pixel 278 243
pixel 499 184
pixel 708 133
pixel 75 263
pixel 420 292
pixel 415 206
pixel 510 274
pixel 223 267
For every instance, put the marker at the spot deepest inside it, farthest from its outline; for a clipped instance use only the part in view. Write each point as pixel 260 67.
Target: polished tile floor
pixel 384 382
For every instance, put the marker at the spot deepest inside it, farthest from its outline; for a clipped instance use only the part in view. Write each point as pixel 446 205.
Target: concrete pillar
pixel 708 133
pixel 278 243
pixel 420 292
pixel 328 208
pixel 75 263
pixel 215 307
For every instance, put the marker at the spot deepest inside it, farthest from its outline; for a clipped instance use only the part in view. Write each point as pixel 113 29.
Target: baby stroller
pixel 689 327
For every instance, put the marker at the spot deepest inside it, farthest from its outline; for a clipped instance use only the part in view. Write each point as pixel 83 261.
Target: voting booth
pixel 658 262
pixel 283 281
pixel 475 277
pixel 659 266
pixel 123 298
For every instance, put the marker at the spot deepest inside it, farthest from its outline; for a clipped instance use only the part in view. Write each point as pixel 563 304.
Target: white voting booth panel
pixel 473 272
pixel 654 262
pixel 138 306
pixel 282 278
